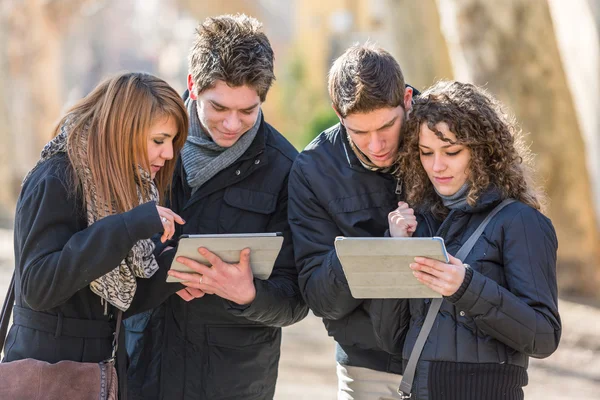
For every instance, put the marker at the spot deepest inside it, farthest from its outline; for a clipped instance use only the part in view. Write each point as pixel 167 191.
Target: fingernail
pixel 412 266
pixel 419 259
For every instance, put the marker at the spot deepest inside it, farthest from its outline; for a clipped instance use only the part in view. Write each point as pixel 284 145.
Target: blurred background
pixel 540 57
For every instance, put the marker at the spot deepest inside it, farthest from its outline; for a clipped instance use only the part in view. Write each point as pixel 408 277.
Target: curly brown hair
pixel 499 157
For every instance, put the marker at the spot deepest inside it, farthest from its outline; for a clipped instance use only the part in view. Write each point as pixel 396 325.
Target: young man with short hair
pixel 342 185
pixel 222 334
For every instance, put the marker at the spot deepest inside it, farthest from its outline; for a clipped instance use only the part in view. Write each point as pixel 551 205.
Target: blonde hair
pixel 116 117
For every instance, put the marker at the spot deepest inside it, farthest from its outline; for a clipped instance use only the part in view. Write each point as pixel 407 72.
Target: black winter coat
pixel 57 255
pixel 332 194
pixel 214 349
pixel 485 333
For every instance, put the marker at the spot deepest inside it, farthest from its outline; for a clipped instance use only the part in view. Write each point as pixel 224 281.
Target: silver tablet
pixel 264 249
pixel 378 268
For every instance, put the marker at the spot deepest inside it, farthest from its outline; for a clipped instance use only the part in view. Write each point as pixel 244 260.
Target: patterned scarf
pixel 202 158
pixel 118 286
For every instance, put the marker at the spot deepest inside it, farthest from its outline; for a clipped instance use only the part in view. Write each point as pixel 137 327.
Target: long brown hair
pixel 499 157
pixel 116 116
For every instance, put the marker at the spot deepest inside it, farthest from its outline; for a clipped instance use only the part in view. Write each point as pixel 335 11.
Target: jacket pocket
pixel 246 210
pixel 242 361
pixel 364 214
pixel 361 202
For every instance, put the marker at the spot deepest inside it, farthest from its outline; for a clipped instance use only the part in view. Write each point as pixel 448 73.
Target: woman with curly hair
pixel 462 156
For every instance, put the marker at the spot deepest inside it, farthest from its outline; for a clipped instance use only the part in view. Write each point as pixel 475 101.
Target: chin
pixel 446 191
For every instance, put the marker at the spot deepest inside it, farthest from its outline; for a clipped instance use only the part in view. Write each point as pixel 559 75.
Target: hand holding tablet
pixel 264 249
pixel 377 267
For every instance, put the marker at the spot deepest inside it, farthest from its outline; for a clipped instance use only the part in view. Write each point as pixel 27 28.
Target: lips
pixel 442 179
pixel 380 157
pixel 227 134
pixel 156 168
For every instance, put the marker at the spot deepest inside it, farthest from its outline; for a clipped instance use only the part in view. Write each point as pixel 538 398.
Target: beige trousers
pixel 356 383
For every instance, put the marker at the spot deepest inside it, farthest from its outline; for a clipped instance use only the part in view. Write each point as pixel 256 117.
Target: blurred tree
pixel 31 81
pixel 416 41
pixel 510 47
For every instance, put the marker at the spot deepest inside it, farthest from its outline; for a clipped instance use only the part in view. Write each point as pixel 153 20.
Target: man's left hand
pixel 233 282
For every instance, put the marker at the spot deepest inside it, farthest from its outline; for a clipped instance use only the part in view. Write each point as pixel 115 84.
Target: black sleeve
pixel 390 319
pixel 524 315
pixel 57 258
pixel 278 300
pixel 322 280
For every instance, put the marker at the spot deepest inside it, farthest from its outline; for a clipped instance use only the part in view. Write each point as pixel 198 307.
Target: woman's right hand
pixel 402 221
pixel 168 219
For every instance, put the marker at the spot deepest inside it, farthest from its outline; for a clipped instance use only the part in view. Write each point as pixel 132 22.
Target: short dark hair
pixel 233 49
pixel 365 78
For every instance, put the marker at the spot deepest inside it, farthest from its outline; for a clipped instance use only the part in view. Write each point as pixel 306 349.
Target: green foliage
pixel 307 111
pixel 320 120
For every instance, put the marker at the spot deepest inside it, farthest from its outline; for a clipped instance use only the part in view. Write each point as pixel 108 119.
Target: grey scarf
pixel 458 199
pixel 202 157
pixel 118 286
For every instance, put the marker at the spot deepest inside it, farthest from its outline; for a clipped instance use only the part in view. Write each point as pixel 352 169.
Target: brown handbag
pixel 30 379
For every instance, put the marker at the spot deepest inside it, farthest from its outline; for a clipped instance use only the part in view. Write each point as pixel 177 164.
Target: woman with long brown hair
pixel 463 159
pixel 85 217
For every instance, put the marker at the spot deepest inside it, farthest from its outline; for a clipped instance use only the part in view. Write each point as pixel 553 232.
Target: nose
pixel 232 123
pixel 376 144
pixel 167 151
pixel 438 164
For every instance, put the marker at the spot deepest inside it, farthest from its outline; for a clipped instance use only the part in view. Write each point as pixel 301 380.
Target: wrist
pixel 463 286
pixel 248 297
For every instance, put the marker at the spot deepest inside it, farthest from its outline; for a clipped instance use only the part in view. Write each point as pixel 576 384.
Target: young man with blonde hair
pixel 342 185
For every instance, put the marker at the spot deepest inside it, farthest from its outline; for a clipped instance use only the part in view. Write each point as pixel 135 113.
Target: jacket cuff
pixel 143 221
pixel 463 287
pixel 336 266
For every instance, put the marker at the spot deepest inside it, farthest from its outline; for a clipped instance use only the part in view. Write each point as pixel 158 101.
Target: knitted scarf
pixel 202 158
pixel 118 286
pixel 458 199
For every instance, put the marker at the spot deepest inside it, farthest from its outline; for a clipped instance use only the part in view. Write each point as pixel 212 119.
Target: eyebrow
pixel 165 134
pixel 443 147
pixel 386 125
pixel 214 103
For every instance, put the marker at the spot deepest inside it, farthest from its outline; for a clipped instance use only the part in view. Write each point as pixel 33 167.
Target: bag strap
pixel 7 308
pixel 7 311
pixel 404 390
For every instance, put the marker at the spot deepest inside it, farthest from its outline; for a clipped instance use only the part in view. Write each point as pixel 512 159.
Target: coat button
pixel 462 313
pixel 257 161
pixel 238 172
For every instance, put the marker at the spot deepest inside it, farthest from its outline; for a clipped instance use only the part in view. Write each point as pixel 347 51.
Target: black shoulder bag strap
pixel 409 373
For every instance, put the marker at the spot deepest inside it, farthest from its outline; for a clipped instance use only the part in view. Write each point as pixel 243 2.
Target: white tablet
pixel 264 249
pixel 378 268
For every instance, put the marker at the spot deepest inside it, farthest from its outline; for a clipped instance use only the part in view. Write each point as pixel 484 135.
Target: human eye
pixel 158 141
pixel 454 153
pixel 426 153
pixel 247 112
pixel 218 108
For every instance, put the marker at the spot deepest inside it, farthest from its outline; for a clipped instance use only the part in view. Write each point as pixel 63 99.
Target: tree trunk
pixel 31 82
pixel 510 47
pixel 416 41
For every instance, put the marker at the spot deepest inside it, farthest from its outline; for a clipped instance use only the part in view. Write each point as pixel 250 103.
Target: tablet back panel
pixel 263 251
pixel 378 268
